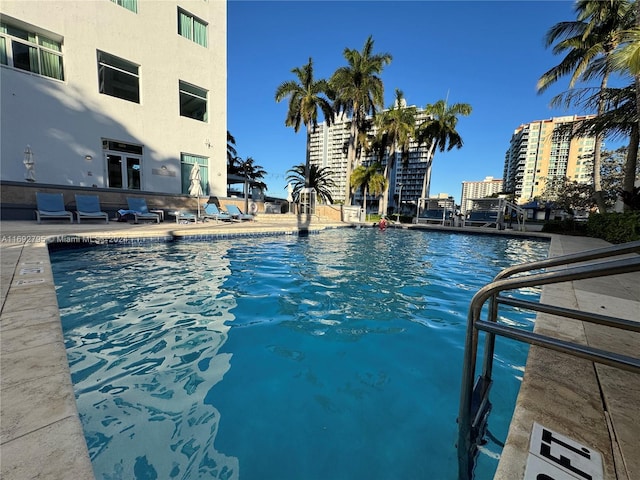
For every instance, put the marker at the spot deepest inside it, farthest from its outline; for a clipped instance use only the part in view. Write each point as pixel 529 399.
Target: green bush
pixel 567 226
pixel 615 227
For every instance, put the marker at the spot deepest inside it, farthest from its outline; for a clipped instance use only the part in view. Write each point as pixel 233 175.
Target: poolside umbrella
pixel 196 186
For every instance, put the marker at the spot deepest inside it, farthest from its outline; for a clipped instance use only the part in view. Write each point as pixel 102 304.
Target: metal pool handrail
pixel 474 401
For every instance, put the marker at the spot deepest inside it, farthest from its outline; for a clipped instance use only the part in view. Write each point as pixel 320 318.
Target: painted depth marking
pixel 553 456
pixel 31 270
pixel 29 282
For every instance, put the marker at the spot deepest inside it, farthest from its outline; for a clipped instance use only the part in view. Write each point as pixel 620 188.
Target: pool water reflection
pixel 336 355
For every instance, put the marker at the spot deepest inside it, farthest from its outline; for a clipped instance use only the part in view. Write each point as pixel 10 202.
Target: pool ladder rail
pixel 474 399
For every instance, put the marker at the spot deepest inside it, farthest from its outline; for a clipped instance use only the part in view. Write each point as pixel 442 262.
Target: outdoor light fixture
pixel 29 164
pixel 88 158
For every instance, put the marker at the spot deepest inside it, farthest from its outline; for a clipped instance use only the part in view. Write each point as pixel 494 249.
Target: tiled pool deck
pixel 41 435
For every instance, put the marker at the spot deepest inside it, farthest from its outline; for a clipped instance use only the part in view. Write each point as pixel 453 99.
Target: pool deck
pixel 41 435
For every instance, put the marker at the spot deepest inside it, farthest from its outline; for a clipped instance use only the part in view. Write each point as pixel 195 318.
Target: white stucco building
pixel 114 94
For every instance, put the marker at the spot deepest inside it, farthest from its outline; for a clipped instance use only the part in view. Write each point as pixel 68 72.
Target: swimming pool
pixel 332 356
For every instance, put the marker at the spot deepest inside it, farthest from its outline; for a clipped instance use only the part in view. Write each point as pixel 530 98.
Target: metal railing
pixel 474 400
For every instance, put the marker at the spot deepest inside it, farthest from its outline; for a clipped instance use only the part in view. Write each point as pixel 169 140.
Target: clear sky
pixel 488 54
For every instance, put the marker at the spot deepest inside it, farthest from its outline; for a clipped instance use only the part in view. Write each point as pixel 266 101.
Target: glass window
pixel 31 52
pixel 193 101
pixel 3 51
pixel 186 164
pixel 118 77
pixel 192 28
pixel 128 4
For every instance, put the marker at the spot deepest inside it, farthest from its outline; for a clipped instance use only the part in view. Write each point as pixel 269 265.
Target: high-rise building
pixel 329 149
pixel 481 189
pixel 541 152
pixel 118 94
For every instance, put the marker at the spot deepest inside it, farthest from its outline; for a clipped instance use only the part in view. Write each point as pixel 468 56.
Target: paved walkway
pixel 595 405
pixel 41 435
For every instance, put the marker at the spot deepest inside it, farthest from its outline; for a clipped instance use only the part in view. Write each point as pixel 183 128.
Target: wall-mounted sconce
pixel 29 164
pixel 88 158
pixel 163 167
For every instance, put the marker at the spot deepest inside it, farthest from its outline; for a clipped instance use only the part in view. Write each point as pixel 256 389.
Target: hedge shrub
pixel 615 227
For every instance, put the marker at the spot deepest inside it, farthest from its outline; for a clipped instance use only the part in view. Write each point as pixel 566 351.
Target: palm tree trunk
pixel 307 165
pixel 426 181
pixel 598 196
pixel 597 176
pixel 384 202
pixel 351 156
pixel 634 139
pixel 630 166
pixel 364 202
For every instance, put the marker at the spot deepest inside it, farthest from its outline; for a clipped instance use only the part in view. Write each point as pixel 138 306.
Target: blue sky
pixel 488 54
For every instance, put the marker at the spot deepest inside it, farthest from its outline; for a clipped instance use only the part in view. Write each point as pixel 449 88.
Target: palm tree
pixel 234 165
pixel 589 43
pixel 396 126
pixel 439 132
pixel 627 59
pixel 306 97
pixel 251 173
pixel 620 120
pixel 370 180
pixel 358 91
pixel 318 178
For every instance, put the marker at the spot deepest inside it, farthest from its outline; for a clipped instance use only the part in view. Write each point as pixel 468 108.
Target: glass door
pixel 123 171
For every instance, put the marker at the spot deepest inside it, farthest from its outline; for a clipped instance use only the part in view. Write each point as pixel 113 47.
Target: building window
pixel 192 28
pixel 123 164
pixel 128 4
pixel 193 101
pixel 118 77
pixel 30 51
pixel 186 164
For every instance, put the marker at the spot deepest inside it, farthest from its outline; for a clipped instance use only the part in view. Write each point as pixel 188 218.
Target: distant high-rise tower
pixel 329 150
pixel 482 189
pixel 541 152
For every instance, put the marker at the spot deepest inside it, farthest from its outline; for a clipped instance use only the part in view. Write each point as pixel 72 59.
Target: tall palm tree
pixel 358 90
pixel 370 180
pixel 620 120
pixel 319 178
pixel 306 96
pixel 439 132
pixel 588 44
pixel 397 125
pixel 627 59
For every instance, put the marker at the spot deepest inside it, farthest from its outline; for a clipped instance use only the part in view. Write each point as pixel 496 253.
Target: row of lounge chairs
pixel 51 206
pixel 212 212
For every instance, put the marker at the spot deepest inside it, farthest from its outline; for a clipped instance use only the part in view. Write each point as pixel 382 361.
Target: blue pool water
pixel 332 356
